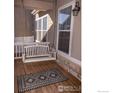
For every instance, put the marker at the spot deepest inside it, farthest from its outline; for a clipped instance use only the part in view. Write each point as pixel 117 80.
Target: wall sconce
pixel 76 9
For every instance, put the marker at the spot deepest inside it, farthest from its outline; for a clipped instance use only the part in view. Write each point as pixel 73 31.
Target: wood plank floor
pixel 21 68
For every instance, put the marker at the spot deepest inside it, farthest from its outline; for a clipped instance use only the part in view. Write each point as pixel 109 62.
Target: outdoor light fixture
pixel 76 9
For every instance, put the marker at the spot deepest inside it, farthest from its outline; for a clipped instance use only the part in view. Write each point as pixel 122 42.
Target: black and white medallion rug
pixel 40 79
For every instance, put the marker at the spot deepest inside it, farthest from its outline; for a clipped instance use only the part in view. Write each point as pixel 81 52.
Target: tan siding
pixel 76 40
pixel 23 23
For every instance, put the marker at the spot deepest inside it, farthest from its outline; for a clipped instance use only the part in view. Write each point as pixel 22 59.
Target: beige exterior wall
pixel 35 4
pixel 23 24
pixel 76 38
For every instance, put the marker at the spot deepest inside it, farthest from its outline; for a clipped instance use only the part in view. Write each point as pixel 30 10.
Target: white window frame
pixel 41 18
pixel 71 29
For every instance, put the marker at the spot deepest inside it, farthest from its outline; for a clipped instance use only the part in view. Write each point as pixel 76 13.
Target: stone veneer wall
pixel 71 67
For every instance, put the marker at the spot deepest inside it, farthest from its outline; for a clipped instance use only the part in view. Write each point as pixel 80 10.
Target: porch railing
pixel 19 48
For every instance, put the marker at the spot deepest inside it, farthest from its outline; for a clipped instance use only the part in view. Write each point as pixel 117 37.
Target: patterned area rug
pixel 40 79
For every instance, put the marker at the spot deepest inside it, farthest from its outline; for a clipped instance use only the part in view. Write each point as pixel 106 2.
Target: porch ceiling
pixel 41 5
pixel 46 0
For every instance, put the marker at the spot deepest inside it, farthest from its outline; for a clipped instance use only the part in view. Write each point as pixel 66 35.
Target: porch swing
pixel 37 51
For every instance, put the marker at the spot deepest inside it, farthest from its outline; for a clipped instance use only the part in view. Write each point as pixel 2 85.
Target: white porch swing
pixel 34 53
pixel 37 51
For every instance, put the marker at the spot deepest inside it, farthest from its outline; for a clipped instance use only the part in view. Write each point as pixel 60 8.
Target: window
pixel 42 25
pixel 45 23
pixel 64 28
pixel 65 18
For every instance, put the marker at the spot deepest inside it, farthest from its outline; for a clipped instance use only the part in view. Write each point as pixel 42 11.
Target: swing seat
pixel 35 53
